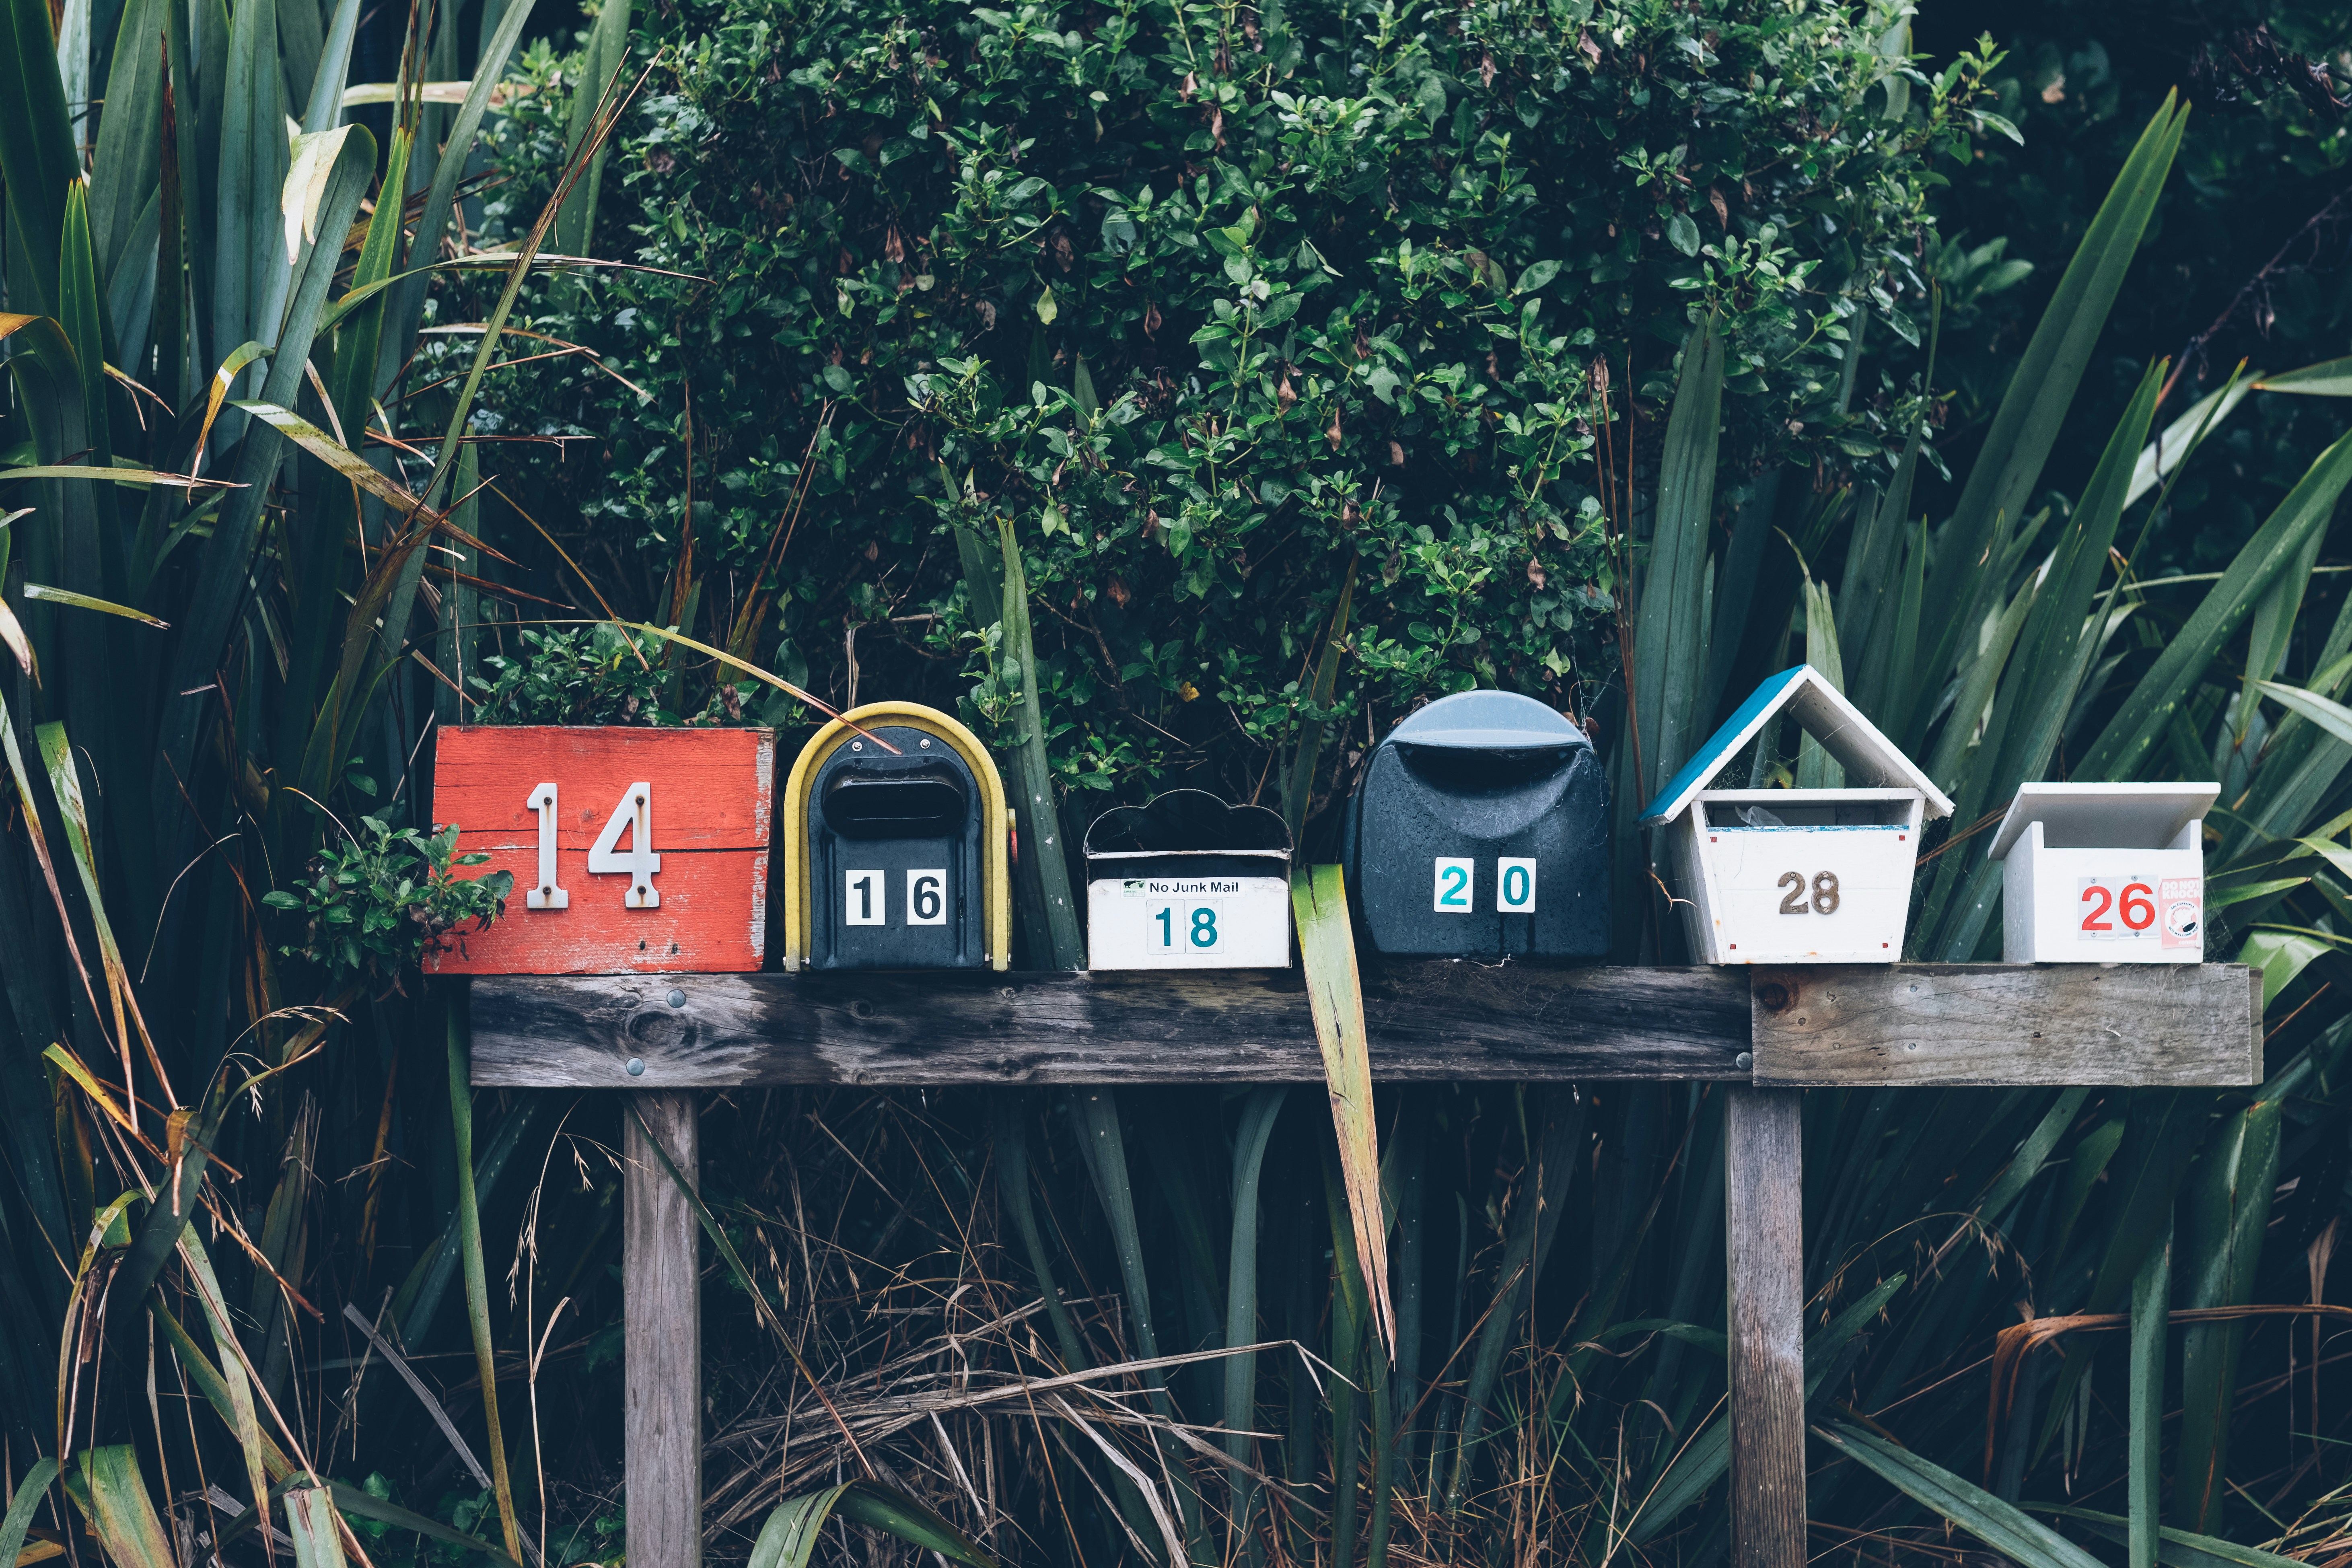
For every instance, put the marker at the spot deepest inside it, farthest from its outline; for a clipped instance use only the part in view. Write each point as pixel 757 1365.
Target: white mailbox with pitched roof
pixel 2104 873
pixel 1796 876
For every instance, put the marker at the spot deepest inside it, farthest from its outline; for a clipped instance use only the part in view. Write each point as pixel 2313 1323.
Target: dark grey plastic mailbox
pixel 1481 830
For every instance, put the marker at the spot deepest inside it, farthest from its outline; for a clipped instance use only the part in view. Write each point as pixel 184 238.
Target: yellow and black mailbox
pixel 897 850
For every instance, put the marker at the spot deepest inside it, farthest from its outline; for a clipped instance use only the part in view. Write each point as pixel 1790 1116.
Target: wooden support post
pixel 662 1333
pixel 1764 1235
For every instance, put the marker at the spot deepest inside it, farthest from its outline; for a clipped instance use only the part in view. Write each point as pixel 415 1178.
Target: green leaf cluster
pixel 590 675
pixel 373 905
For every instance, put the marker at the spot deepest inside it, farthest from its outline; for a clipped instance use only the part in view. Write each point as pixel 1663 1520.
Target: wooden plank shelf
pixel 1920 1025
pixel 1428 1021
pixel 1817 1026
pixel 1770 1032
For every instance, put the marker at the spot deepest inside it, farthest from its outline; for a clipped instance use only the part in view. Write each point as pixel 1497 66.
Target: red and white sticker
pixel 2181 907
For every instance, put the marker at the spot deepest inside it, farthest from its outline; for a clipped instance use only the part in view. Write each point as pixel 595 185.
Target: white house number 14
pixel 1457 882
pixel 633 815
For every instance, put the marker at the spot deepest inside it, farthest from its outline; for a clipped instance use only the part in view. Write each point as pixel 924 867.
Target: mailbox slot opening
pixel 1189 822
pixel 1774 810
pixel 928 803
pixel 1462 770
pixel 2117 830
pixel 2116 821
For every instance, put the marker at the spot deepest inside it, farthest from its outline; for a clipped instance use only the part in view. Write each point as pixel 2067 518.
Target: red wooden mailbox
pixel 633 850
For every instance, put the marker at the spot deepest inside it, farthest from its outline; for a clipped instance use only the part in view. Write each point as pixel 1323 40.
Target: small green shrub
pixel 375 905
pixel 590 676
pixel 604 675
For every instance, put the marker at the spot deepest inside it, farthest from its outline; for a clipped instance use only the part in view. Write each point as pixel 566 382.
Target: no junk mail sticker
pixel 633 850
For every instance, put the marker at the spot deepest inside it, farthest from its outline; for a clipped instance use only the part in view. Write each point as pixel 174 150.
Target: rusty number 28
pixel 1825 893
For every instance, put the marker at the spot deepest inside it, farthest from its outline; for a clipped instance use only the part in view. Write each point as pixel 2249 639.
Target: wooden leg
pixel 1764 1238
pixel 662 1334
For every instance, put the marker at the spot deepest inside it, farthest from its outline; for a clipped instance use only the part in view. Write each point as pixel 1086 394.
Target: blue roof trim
pixel 1735 732
pixel 1870 760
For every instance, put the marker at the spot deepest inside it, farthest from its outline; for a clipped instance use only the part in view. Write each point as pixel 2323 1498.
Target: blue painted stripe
pixel 1726 740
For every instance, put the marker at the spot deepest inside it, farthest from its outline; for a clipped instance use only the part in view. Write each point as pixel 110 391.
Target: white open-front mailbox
pixel 1796 876
pixel 1188 882
pixel 2104 873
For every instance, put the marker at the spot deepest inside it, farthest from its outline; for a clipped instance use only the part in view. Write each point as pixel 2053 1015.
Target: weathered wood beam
pixel 1926 1023
pixel 1821 1026
pixel 1428 1021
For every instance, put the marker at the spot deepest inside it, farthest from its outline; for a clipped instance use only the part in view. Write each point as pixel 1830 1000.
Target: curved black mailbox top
pixel 1481 830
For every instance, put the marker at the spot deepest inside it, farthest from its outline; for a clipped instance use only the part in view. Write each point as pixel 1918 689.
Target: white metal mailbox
pixel 2104 873
pixel 1188 882
pixel 1796 876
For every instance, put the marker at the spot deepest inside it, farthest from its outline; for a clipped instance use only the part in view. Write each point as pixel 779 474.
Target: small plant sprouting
pixel 377 904
pixel 596 675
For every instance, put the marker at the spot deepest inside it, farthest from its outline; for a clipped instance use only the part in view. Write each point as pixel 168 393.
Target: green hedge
pixel 1209 300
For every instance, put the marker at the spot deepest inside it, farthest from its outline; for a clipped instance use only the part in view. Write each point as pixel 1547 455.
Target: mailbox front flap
pixel 896 855
pixel 1190 830
pixel 2104 815
pixel 1489 721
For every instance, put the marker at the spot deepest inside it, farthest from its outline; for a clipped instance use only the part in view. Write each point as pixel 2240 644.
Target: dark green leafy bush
pixel 601 674
pixel 590 676
pixel 1210 301
pixel 373 906
pixel 2238 273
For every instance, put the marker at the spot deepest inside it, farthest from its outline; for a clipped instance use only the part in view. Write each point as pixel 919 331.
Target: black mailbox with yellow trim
pixel 897 850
